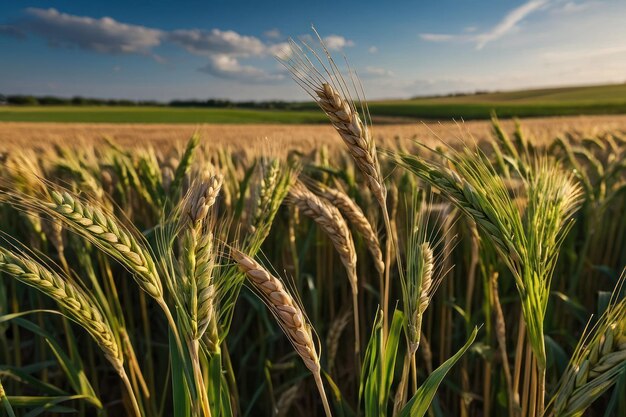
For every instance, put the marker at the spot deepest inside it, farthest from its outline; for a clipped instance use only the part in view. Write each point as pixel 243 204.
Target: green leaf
pixel 341 407
pixel 73 371
pixel 214 383
pixel 180 389
pixel 418 405
pixel 368 387
pixel 389 360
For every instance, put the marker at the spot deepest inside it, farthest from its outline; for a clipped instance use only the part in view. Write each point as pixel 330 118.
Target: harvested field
pixel 302 137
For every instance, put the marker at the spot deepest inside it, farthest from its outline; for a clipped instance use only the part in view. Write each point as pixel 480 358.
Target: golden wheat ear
pixel 288 313
pixel 354 214
pixel 322 80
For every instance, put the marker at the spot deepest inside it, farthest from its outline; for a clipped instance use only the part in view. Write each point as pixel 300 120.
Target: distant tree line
pixel 29 100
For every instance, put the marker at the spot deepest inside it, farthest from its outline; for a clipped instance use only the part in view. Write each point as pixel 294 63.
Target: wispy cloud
pixel 202 42
pixel 440 37
pixel 227 66
pixel 575 7
pixel 104 35
pixel 378 72
pixel 332 42
pixel 273 34
pixel 337 42
pixel 508 23
pixel 224 49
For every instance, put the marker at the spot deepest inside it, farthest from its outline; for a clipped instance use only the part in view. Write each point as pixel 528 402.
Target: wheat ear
pixel 288 314
pixel 74 301
pixel 197 264
pixel 104 230
pixel 333 224
pixel 355 134
pixel 76 304
pixel 425 264
pixel 330 91
pixel 597 363
pixel 199 259
pixel 356 217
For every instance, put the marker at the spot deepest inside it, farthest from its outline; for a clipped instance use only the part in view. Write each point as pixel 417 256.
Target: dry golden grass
pixel 301 137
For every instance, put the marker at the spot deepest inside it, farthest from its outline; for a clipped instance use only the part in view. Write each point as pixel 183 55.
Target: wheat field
pixel 301 137
pixel 457 269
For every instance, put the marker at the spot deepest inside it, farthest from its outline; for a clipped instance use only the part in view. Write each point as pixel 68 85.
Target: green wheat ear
pixel 76 304
pixel 597 363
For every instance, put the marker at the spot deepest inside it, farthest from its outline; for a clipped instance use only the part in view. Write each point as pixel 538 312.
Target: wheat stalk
pixel 333 224
pixel 76 304
pixel 527 239
pixel 288 314
pixel 198 261
pixel 287 399
pixel 355 134
pixel 105 231
pixel 356 217
pixel 270 170
pixel 199 254
pixel 424 264
pixel 329 90
pixel 597 362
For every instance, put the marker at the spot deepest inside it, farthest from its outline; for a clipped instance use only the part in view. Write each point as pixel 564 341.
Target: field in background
pixel 281 136
pixel 103 114
pixel 594 100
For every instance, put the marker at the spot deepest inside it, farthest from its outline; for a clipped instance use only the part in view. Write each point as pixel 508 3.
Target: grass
pixel 66 114
pixel 568 101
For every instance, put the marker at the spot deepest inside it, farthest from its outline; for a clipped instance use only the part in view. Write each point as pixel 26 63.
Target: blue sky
pixel 161 49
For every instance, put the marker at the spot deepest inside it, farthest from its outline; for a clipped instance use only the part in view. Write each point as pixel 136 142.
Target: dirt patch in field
pixel 300 137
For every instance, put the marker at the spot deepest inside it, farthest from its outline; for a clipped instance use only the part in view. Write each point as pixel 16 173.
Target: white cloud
pixel 273 34
pixel 438 37
pixel 373 49
pixel 202 42
pixel 104 35
pixel 336 42
pixel 378 72
pixel 281 50
pixel 224 49
pixel 575 7
pixel 226 66
pixel 507 24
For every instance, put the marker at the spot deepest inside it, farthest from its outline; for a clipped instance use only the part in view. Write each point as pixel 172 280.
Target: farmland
pixel 263 196
pixel 570 101
pixel 206 211
pixel 203 262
